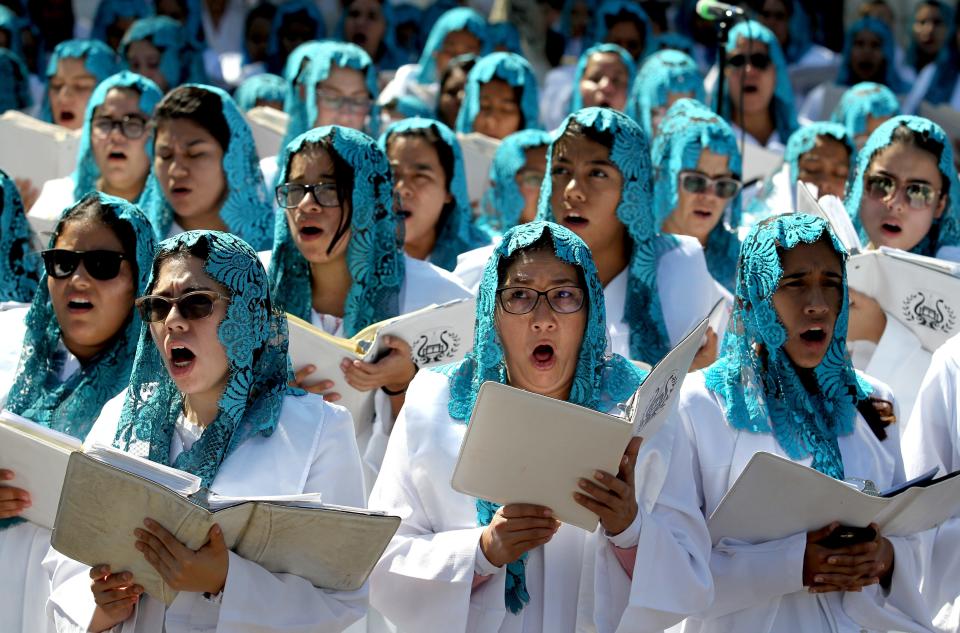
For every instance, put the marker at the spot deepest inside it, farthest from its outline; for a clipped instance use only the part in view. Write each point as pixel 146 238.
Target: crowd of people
pixel 634 185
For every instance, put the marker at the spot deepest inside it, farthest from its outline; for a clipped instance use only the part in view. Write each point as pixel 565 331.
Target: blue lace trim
pixel 503 202
pixel 804 139
pixel 20 267
pixel 180 61
pixel 576 99
pixel 266 86
pixel 861 101
pixel 664 73
pixel 98 58
pixel 514 70
pixel 458 19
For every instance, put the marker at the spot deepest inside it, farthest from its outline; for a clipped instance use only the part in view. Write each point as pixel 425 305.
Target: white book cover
pixel 774 498
pixel 522 447
pixel 759 163
pixel 922 293
pixel 38 457
pixel 478 150
pixel 35 149
pixel 268 126
pixel 831 209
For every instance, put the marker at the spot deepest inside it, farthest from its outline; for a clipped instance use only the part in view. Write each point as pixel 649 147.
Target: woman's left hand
pixel 200 571
pixel 394 371
pixel 613 498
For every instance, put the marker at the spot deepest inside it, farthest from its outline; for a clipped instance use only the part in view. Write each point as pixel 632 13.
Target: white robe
pixel 759 588
pixel 423 583
pixel 55 196
pixel 312 449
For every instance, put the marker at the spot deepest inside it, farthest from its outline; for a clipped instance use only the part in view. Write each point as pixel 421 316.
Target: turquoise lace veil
pixel 20 267
pixel 458 234
pixel 74 405
pixel 804 139
pixel 649 341
pixel 600 381
pixel 944 231
pixel 11 23
pixel 265 86
pixel 98 58
pixel 375 260
pixel 343 55
pixel 503 201
pixel 86 173
pixel 504 36
pixel 254 336
pixel 14 82
pixel 892 80
pixel 295 72
pixel 458 19
pixel 664 73
pixel 861 101
pixel 109 11
pixel 247 210
pixel 611 8
pixel 180 62
pixel 763 393
pixel 689 128
pixel 782 106
pixel 284 11
pixel 576 100
pixel 508 67
pixel 675 42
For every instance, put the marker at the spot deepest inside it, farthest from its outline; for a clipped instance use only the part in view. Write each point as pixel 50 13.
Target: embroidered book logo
pixel 435 346
pixel 660 398
pixel 929 310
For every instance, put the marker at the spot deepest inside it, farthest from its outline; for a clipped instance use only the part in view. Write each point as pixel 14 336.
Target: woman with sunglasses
pixel 758 98
pixel 19 265
pixel 696 190
pixel 784 385
pixel 336 263
pixel 77 352
pixel 115 150
pixel 459 563
pixel 430 188
pixel 668 76
pixel 500 97
pixel 158 48
pixel 863 108
pixel 208 395
pixel 599 185
pixel 205 169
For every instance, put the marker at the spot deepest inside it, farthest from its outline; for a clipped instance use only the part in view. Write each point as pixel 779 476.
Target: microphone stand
pixel 723 28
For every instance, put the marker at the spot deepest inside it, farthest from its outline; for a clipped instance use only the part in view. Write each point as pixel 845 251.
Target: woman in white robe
pixel 221 355
pixel 784 386
pixel 66 356
pixel 455 563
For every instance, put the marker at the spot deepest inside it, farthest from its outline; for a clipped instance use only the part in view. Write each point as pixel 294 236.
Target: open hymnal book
pixel 831 209
pixel 108 493
pixel 758 163
pixel 478 150
pixel 38 458
pixel 268 126
pixel 922 293
pixel 437 334
pixel 35 149
pixel 522 447
pixel 774 498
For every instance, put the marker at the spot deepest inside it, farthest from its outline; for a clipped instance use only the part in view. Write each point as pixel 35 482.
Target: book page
pixel 437 335
pixel 478 151
pixel 36 149
pixel 178 481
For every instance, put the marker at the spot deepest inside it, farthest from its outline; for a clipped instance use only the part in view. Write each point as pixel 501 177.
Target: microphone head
pixel 703 9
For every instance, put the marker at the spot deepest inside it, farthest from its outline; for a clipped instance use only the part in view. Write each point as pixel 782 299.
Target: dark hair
pixel 343 175
pixel 199 105
pixel 576 128
pixel 460 62
pixel 627 16
pixel 263 10
pixel 90 209
pixel 199 249
pixel 445 157
pixel 543 244
pixel 903 135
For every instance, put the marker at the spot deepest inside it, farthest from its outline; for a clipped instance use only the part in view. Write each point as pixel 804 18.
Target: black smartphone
pixel 846 535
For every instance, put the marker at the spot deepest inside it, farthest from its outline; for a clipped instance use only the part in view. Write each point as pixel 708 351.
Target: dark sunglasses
pixel 102 265
pixel 192 305
pixel 760 61
pixel 695 182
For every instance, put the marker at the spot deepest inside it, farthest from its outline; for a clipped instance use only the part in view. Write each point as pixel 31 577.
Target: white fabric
pixel 919 89
pixel 313 449
pixel 227 36
pixel 25 587
pixel 14 328
pixel 470 266
pixel 55 196
pixel 774 143
pixel 759 588
pixel 405 84
pixel 556 95
pixel 270 171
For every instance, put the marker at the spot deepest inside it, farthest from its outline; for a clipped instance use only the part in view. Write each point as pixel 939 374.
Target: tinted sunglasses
pixel 695 182
pixel 760 61
pixel 920 195
pixel 192 305
pixel 102 265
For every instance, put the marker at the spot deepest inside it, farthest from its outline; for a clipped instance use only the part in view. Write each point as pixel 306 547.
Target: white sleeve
pixel 919 89
pixel 686 288
pixel 931 437
pixel 900 361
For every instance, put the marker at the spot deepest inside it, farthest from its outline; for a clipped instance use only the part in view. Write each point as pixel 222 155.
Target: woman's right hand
pixel 321 387
pixel 116 596
pixel 28 193
pixel 13 501
pixel 517 528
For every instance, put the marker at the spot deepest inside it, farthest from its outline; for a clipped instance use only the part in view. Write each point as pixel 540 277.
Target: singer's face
pixel 756 84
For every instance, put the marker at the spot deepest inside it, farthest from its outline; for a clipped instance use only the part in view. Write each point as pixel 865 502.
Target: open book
pixel 35 149
pixel 437 334
pixel 478 150
pixel 831 209
pixel 774 498
pixel 268 126
pixel 108 493
pixel 922 293
pixel 759 163
pixel 38 457
pixel 522 447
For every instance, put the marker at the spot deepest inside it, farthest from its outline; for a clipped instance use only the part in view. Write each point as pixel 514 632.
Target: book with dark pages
pixel 268 126
pixel 437 334
pixel 774 498
pixel 522 447
pixel 38 458
pixel 922 293
pixel 35 149
pixel 107 494
pixel 831 209
pixel 478 150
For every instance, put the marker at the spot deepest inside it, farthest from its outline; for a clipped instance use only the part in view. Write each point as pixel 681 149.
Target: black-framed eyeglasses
pixel 131 126
pixel 192 305
pixel 920 195
pixel 760 61
pixel 521 300
pixel 102 265
pixel 695 182
pixel 355 105
pixel 290 195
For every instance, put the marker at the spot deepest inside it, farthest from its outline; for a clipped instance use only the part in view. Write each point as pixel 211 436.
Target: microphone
pixel 711 10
